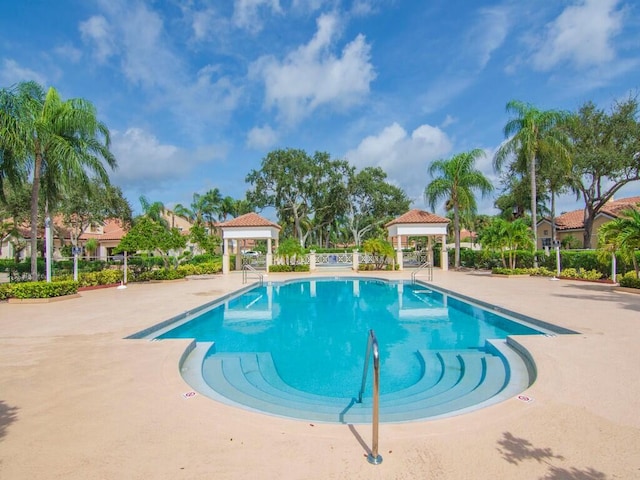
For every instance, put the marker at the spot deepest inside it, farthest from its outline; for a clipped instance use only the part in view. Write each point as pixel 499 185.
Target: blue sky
pixel 196 93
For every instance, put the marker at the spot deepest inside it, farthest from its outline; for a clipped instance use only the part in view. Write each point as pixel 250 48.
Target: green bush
pixel 630 280
pixel 580 273
pixel 5 291
pixel 6 264
pixel 162 274
pixel 201 269
pixel 512 271
pixel 288 268
pixel 204 258
pixel 43 289
pixel 91 279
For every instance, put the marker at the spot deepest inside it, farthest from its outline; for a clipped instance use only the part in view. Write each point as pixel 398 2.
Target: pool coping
pixel 82 404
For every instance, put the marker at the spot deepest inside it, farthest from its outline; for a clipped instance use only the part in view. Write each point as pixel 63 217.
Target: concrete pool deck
pixel 78 401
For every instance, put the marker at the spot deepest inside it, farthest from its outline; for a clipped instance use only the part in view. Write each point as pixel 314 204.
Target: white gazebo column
pixel 312 260
pixel 399 252
pixel 444 257
pixel 355 262
pixel 269 260
pixel 225 256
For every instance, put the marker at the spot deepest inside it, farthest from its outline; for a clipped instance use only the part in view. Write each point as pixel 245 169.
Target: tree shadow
pixel 517 450
pixel 604 294
pixel 8 415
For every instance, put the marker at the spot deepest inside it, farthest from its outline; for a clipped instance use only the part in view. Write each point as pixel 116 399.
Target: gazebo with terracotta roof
pixel 248 226
pixel 418 223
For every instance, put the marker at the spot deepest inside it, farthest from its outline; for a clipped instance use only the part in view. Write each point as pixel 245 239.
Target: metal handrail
pixel 246 269
pixel 372 347
pixel 427 265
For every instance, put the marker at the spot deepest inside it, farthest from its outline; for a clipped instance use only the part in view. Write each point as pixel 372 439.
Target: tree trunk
pixel 553 216
pixel 588 227
pixel 35 192
pixel 534 209
pixel 456 233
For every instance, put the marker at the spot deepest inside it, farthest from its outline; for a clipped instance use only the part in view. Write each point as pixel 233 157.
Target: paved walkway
pixel 77 401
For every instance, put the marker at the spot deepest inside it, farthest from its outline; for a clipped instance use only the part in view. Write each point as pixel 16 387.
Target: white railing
pixel 334 258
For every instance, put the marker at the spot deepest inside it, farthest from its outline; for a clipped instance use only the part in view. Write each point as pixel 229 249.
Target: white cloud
pixel 146 164
pixel 69 52
pixel 142 159
pixel 581 35
pixel 448 120
pixel 483 38
pixel 488 34
pixel 97 31
pixel 405 158
pixel 312 76
pixel 136 37
pixel 246 13
pixel 309 5
pixel 12 72
pixel 261 138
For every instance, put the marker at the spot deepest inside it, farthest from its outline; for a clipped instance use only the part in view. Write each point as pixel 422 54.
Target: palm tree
pixel 456 184
pixel 210 206
pixel 13 167
pixel 60 141
pixel 622 235
pixel 154 210
pixel 226 208
pixel 530 132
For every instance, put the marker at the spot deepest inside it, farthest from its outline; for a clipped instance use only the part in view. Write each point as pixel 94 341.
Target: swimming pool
pixel 297 349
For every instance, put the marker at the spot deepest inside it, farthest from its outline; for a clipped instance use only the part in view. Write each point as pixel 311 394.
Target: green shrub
pixel 162 274
pixel 580 273
pixel 201 269
pixel 5 291
pixel 6 264
pixel 512 271
pixel 43 289
pixel 204 258
pixel 288 268
pixel 630 281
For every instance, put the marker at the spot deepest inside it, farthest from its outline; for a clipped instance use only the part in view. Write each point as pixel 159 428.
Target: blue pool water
pixel 316 330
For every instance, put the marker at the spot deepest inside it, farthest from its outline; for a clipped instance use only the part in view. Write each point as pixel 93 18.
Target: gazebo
pixel 248 226
pixel 418 223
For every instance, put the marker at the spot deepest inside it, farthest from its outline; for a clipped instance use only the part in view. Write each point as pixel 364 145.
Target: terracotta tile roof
pixel 249 220
pixel 418 216
pixel 112 230
pixel 575 219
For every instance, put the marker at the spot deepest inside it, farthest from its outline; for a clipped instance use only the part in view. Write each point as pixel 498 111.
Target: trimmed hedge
pixel 630 280
pixel 42 289
pixel 288 268
pixel 201 268
pixel 91 279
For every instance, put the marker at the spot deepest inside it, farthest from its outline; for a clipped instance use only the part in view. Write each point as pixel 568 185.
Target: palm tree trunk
pixel 456 228
pixel 35 192
pixel 534 212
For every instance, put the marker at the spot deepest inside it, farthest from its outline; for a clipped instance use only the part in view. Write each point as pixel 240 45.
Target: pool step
pixel 454 381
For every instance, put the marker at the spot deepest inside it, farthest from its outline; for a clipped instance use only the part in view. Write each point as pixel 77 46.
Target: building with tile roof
pixel 570 225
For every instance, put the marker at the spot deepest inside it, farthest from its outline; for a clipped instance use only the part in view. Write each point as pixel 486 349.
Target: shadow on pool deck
pixel 8 415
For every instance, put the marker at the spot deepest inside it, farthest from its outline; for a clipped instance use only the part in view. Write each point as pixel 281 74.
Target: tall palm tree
pixel 210 206
pixel 59 140
pixel 530 132
pixel 13 165
pixel 226 208
pixel 459 178
pixel 154 210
